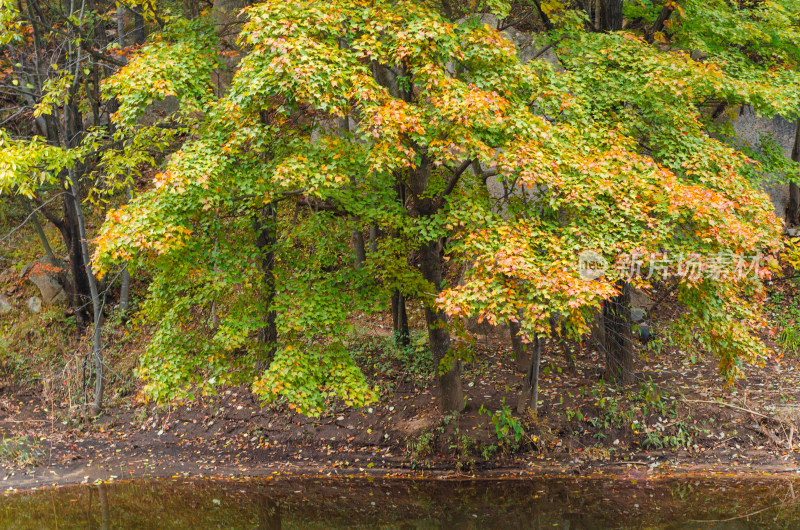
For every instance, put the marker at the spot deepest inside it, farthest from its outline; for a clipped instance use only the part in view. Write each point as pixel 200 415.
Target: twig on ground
pixel 724 404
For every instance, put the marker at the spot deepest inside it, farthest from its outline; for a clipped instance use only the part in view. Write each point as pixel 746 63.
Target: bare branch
pixel 33 212
pixel 456 176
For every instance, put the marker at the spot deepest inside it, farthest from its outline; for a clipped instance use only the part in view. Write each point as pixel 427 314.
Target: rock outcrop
pixel 51 279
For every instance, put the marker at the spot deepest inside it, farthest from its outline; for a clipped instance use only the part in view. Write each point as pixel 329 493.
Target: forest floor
pixel 678 417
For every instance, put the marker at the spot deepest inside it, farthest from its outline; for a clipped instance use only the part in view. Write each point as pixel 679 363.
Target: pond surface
pixel 385 503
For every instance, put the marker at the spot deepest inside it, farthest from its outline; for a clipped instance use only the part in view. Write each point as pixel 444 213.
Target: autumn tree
pixel 419 122
pixel 666 79
pixel 58 145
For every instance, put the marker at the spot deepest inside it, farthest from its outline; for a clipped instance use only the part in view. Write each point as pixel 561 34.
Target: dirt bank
pixel 678 418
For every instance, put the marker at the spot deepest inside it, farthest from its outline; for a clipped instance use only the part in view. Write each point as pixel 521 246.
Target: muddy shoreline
pixel 683 421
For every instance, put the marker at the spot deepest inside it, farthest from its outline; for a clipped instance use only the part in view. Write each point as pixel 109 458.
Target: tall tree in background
pixel 668 101
pixel 53 58
pixel 57 144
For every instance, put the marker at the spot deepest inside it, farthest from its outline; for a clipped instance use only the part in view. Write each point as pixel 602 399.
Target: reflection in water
pixel 344 503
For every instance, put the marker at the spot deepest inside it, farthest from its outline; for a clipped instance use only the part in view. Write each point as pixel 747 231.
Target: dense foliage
pixel 338 154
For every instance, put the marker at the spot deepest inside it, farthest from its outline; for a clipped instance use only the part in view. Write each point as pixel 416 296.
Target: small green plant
pixel 140 416
pixel 682 437
pixel 574 414
pixel 658 439
pixel 463 446
pixel 449 418
pixel 653 440
pixel 388 359
pixel 789 322
pixel 610 413
pixel 420 448
pixel 487 451
pixel 508 429
pixel 654 399
pixel 790 337
pixel 416 359
pixel 21 451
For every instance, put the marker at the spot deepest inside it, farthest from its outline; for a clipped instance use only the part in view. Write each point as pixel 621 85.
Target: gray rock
pixel 5 304
pixel 749 128
pixel 50 279
pixel 529 46
pixel 640 299
pixel 34 304
pixel 51 290
pixel 26 269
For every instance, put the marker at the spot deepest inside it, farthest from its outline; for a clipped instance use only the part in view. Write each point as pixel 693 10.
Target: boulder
pixel 52 291
pixel 529 46
pixel 750 129
pixel 8 275
pixel 5 304
pixel 49 278
pixel 641 300
pixel 34 304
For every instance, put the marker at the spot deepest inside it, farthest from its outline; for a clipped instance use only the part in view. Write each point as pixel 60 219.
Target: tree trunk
pixel 448 373
pixel 451 396
pixel 374 233
pixel 618 338
pixel 399 315
pixel 121 25
pixel 125 289
pixel 530 385
pixel 269 515
pixel 559 335
pixel 71 131
pixel 70 232
pixel 612 15
pixel 191 8
pixel 793 210
pixel 97 344
pixel 520 349
pixel 422 205
pixel 400 319
pixel 266 237
pixel 358 247
pixel 105 519
pixel 48 250
pixel 139 34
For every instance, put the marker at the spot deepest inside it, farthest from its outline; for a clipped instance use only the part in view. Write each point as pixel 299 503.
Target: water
pixel 370 503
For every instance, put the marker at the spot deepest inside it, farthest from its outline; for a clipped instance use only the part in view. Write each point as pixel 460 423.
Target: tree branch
pixel 545 19
pixel 456 176
pixel 544 50
pixel 665 13
pixel 101 56
pixel 40 207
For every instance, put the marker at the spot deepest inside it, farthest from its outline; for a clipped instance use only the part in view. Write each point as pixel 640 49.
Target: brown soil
pixel 579 430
